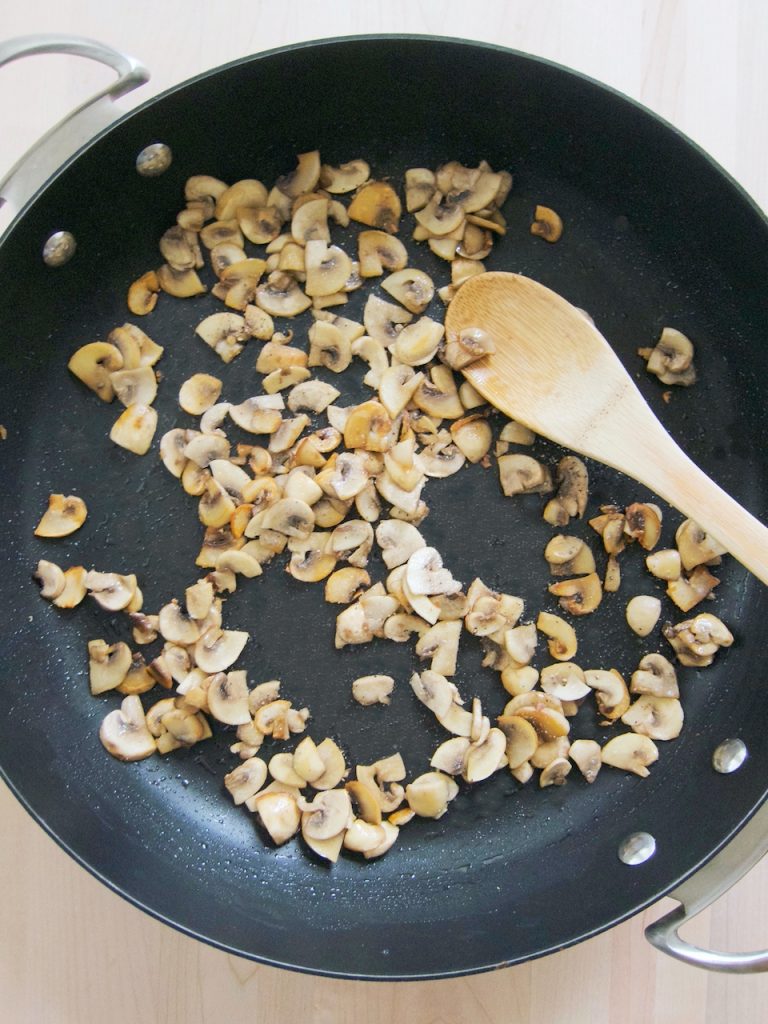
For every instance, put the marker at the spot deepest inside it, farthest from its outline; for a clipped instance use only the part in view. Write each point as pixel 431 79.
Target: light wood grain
pixel 72 952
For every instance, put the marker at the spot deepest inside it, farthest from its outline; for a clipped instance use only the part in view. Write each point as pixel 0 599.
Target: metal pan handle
pixel 707 885
pixel 57 145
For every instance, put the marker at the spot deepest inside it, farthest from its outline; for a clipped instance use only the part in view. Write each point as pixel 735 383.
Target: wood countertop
pixel 74 953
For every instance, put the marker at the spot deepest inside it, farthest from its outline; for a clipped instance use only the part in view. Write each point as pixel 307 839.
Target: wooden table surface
pixel 72 952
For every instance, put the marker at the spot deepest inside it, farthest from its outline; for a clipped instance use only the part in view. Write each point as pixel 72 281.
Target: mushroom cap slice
pixel 94 364
pixel 580 595
pixel 74 588
pixel 418 342
pixel 661 718
pixel 280 295
pixel 434 691
pixel 135 428
pixel 521 739
pixel 199 392
pixel 555 772
pixel 307 762
pixel 384 320
pixel 64 515
pixel 631 752
pixel 520 643
pixel 378 251
pixel 327 815
pixel 177 627
pixel 137 386
pixel 281 769
pixel 449 756
pixel 344 178
pixel 124 732
pixel 363 836
pixel 217 649
pixel 411 288
pixel 107 665
pixel 566 681
pixel 305 176
pixel 521 474
pixel 245 781
pixel 289 516
pixel 430 793
pixel 425 574
pixel 586 755
pixel 279 814
pixel 610 692
pixel 111 590
pixel 228 698
pixel 172 445
pixel 398 541
pixel 377 205
pixel 315 395
pixel 50 578
pixel 391 832
pixel 374 689
pixel 327 268
pixel 335 768
pixel 484 758
pixel 655 675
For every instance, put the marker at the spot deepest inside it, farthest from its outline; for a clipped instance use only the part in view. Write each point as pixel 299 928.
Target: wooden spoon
pixel 554 372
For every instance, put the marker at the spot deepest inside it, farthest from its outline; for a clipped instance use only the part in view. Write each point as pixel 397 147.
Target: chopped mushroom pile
pixel 327 485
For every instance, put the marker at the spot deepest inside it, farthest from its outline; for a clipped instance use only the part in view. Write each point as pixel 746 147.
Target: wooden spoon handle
pixel 660 464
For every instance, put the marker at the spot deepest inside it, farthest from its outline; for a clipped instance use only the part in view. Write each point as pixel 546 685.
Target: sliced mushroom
pixel 377 205
pixel 107 665
pixel 665 564
pixel 656 676
pixel 410 287
pixel 696 547
pixel 397 386
pixel 136 386
pixel 580 595
pixel 279 814
pixel 517 680
pixel 565 681
pixel 51 579
pixel 327 268
pixel 672 358
pixel 110 590
pixel 379 251
pixel 142 294
pixel 329 814
pixel 198 393
pixel 429 794
pixel 643 613
pixel 383 320
pixel 562 642
pixel 441 644
pixel 441 459
pixel 434 691
pixel 419 188
pixel 280 295
pixel 307 762
pixel 94 365
pixel 314 395
pixel 568 556
pixel 547 224
pixel 418 342
pixel 217 649
pixel 74 588
pixel 64 515
pixel 484 758
pixel 425 574
pixel 228 697
pixel 696 641
pixel 245 781
pixel 467 347
pixel 521 739
pixel 661 718
pixel 630 752
pixel 521 474
pixel 135 428
pixel 449 756
pixel 202 450
pixel 611 692
pixel 572 481
pixel 124 732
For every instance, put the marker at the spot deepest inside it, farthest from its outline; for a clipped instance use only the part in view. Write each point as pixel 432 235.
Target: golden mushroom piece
pixel 547 224
pixel 64 515
pixel 94 365
pixel 377 205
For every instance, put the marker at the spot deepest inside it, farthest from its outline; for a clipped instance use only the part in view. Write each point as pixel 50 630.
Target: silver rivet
pixel 59 249
pixel 729 756
pixel 637 848
pixel 154 160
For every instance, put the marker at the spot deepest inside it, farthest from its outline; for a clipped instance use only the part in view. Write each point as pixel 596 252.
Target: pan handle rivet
pixel 59 249
pixel 637 848
pixel 729 756
pixel 154 160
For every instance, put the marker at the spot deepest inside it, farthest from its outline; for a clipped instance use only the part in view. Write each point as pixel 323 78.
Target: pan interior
pixel 655 235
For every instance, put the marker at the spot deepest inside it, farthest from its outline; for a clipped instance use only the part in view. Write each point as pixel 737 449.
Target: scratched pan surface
pixel 655 235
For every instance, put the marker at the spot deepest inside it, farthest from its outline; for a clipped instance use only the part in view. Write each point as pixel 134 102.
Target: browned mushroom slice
pixel 107 665
pixel 136 347
pixel 383 320
pixel 440 218
pixel 611 692
pixel 135 387
pixel 74 588
pixel 135 428
pixel 411 288
pixel 521 474
pixel 655 675
pixel 304 178
pixel 179 248
pixel 344 178
pixel 572 482
pixel 142 294
pixel 245 193
pixel 472 436
pixel 580 595
pixel 643 524
pixel 94 365
pixel 696 641
pixel 182 284
pixel 547 224
pixel 64 515
pixel 419 188
pixel 467 347
pixel 672 358
pixel 568 556
pixel 696 547
pixel 377 205
pixel 124 732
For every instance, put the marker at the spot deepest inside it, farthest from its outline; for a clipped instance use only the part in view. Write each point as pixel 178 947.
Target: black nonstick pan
pixel 655 234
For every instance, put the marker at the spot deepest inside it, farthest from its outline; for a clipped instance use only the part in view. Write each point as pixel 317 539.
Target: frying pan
pixel 656 234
